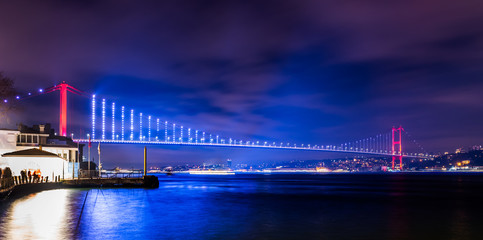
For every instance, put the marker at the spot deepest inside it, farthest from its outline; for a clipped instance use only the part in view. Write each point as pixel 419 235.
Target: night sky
pixel 313 72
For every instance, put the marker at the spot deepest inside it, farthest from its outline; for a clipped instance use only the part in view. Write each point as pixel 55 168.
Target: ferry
pixel 212 172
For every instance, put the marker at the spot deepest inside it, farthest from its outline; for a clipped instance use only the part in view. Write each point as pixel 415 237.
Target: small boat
pixel 169 171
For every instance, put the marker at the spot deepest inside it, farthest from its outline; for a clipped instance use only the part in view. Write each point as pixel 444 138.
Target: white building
pixel 49 164
pixel 37 148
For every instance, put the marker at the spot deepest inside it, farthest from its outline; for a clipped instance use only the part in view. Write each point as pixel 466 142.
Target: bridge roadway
pixel 253 145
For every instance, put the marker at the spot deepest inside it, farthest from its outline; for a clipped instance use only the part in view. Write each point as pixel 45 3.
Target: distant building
pixel 460 150
pixel 476 147
pixel 228 163
pixel 16 148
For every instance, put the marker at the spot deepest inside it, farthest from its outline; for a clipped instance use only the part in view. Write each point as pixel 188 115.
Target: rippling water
pixel 256 206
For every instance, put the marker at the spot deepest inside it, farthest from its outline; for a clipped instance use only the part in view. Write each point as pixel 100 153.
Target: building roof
pixel 8 130
pixel 32 152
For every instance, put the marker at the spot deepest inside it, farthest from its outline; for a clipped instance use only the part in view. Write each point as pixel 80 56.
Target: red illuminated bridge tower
pixel 397 146
pixel 63 88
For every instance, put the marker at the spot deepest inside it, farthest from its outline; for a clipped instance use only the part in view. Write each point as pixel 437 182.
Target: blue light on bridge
pixel 103 119
pixel 157 129
pixel 166 131
pixel 140 126
pixel 132 125
pixel 113 121
pixel 122 122
pixel 149 128
pixel 174 132
pixel 189 135
pixel 93 117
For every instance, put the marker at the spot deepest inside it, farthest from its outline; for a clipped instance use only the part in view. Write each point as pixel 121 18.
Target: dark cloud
pixel 305 71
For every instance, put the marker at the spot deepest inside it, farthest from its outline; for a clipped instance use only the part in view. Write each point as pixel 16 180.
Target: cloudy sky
pixel 313 72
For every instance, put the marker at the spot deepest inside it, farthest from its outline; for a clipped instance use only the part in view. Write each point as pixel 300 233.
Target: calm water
pixel 256 206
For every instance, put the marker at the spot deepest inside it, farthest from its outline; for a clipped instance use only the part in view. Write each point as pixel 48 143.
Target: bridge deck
pixel 307 148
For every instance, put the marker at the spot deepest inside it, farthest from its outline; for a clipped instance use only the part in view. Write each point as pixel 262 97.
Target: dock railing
pixel 122 174
pixel 8 181
pixel 133 173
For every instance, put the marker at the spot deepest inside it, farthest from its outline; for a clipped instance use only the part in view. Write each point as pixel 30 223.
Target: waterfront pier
pixel 15 187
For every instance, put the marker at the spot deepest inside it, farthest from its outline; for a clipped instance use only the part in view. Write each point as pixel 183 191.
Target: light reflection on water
pixel 257 207
pixel 44 215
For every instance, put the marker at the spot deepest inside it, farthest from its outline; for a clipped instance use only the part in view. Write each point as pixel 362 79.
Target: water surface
pixel 257 206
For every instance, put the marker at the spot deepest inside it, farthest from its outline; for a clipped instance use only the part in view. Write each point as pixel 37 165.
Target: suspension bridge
pixel 112 124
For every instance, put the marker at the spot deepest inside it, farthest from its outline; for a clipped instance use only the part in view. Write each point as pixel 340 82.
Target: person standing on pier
pixel 23 173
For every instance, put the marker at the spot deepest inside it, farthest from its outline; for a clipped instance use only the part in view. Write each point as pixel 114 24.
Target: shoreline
pixel 22 190
pixel 326 173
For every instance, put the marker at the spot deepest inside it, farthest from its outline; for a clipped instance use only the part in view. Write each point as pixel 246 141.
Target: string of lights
pixel 378 144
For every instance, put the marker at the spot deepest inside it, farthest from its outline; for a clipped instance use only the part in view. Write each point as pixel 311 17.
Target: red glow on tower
pixel 63 88
pixel 397 146
pixel 63 109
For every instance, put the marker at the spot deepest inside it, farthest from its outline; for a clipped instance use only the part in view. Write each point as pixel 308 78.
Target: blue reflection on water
pixel 256 206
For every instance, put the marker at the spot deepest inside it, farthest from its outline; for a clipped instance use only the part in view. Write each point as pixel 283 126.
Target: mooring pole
pixel 73 167
pixel 99 152
pixel 145 159
pixel 78 161
pixel 89 145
